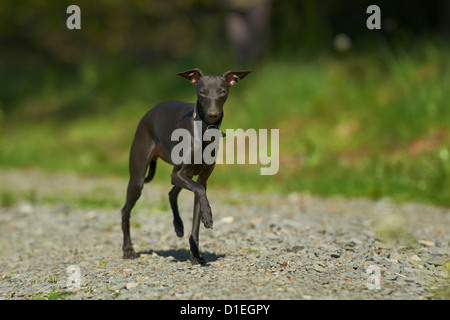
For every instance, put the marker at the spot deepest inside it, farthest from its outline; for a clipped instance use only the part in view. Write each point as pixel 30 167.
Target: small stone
pixel 393 261
pixel 131 285
pixel 272 236
pixel 391 277
pixel 25 208
pixel 438 261
pixel 427 243
pixel 355 241
pixel 297 248
pixel 335 254
pixel 228 219
pixel 117 287
pixel 319 268
pixel 396 256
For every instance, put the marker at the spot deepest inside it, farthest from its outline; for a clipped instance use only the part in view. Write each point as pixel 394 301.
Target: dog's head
pixel 212 91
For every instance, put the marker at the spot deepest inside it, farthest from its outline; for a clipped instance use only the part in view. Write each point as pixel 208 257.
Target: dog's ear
pixel 192 75
pixel 232 76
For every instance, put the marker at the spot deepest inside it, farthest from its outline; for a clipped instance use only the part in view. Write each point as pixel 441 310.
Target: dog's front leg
pixel 196 258
pixel 202 211
pixel 180 179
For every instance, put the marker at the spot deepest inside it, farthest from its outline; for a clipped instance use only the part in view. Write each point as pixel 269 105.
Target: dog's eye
pixel 222 92
pixel 203 93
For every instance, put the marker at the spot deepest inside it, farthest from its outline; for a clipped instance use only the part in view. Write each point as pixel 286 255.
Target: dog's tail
pixel 151 171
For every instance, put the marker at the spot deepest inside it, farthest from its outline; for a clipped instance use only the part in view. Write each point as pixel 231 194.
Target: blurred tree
pixel 246 22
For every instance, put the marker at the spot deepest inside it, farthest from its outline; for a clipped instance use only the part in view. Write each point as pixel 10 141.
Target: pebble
pixel 269 247
pixel 319 268
pixel 131 285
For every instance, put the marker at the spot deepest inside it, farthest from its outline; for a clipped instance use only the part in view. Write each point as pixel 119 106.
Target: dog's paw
pixel 128 253
pixel 178 226
pixel 198 260
pixel 179 231
pixel 207 219
pixel 206 213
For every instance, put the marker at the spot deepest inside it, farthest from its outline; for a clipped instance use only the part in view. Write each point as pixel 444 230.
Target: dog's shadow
pixel 182 255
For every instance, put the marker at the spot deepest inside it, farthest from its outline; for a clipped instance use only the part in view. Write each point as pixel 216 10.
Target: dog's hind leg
pixel 177 222
pixel 141 152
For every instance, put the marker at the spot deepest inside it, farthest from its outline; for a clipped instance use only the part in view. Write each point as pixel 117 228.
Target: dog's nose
pixel 213 115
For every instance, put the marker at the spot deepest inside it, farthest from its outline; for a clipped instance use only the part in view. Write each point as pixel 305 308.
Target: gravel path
pixel 262 247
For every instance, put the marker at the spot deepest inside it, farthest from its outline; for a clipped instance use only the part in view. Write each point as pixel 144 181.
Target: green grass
pixel 361 125
pixel 52 295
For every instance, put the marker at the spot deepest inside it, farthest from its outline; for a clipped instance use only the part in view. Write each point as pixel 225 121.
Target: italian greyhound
pixel 153 140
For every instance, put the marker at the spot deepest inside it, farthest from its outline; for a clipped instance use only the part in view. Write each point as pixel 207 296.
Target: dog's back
pixel 165 117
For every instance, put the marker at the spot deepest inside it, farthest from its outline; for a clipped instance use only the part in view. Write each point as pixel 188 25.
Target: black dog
pixel 153 140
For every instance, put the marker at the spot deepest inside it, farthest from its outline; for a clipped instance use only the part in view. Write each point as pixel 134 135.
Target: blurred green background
pixel 361 113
